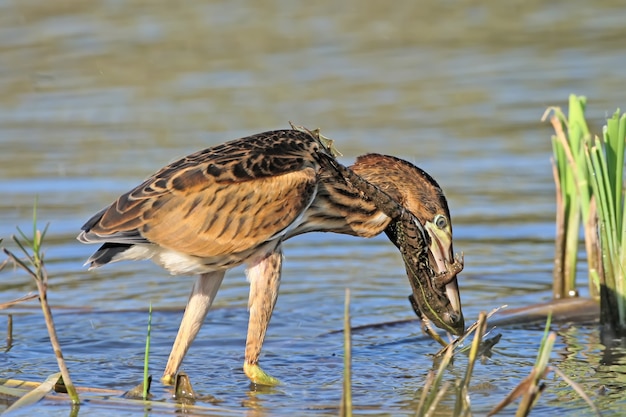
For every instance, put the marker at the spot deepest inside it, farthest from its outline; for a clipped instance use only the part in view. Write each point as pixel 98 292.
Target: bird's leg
pixel 202 295
pixel 264 277
pixel 443 278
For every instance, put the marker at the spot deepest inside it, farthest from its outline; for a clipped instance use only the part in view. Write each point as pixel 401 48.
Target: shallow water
pixel 98 95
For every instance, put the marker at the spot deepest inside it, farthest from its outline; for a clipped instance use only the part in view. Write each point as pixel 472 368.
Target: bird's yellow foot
pixel 258 375
pixel 167 379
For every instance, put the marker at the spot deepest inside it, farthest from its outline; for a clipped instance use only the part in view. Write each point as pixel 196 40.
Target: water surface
pixel 98 95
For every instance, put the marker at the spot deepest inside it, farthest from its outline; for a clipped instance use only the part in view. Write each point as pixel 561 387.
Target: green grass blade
pixel 546 334
pixel 606 214
pixel 35 246
pixel 620 260
pixel 603 193
pixel 604 159
pixel 23 246
pixel 607 189
pixel 577 125
pixel 615 158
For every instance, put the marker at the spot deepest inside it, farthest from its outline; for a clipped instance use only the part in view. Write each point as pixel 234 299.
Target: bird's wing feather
pixel 224 199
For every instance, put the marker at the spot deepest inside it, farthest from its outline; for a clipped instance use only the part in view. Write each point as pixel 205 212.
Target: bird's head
pixel 437 297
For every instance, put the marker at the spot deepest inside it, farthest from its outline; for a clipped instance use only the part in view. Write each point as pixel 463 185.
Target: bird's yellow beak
pixel 441 256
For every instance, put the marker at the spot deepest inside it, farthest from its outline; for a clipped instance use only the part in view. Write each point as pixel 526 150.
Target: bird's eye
pixel 441 221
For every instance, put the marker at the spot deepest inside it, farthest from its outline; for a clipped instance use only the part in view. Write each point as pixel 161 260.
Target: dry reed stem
pixel 36 394
pixel 346 397
pixel 9 332
pixel 41 278
pixel 559 240
pixel 22 299
pixel 565 284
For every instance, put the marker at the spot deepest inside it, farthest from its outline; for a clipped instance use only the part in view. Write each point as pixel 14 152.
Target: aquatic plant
pixel 588 172
pixel 605 162
pixel 573 194
pixel 35 267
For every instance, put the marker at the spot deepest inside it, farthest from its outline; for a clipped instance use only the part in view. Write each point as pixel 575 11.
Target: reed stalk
pixel 146 375
pixel 346 398
pixel 9 332
pixel 605 162
pixel 462 406
pixel 35 267
pixel 588 172
pixel 573 197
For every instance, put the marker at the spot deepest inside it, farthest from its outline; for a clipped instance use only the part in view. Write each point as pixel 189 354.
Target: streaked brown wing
pixel 224 199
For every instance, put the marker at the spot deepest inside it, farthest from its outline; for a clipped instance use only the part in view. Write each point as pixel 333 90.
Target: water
pixel 98 95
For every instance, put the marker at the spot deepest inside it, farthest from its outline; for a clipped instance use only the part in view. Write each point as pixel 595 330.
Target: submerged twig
pixel 438 396
pixel 577 388
pixel 430 378
pixel 430 397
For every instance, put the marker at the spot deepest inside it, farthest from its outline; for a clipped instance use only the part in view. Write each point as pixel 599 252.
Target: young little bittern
pixel 237 202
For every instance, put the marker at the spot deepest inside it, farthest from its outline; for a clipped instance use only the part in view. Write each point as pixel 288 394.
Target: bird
pixel 237 202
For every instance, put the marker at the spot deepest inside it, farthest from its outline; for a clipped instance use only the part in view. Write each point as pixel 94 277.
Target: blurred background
pixel 97 95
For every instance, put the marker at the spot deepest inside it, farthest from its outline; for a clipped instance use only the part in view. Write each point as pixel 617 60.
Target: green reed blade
pixel 572 183
pixel 615 158
pixel 462 401
pixel 546 333
pixel 605 167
